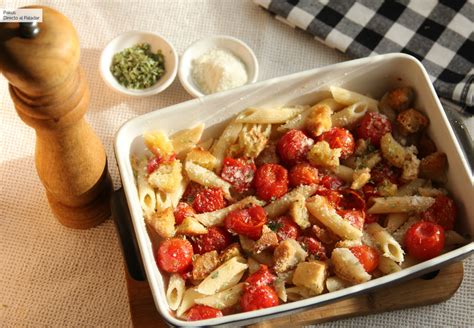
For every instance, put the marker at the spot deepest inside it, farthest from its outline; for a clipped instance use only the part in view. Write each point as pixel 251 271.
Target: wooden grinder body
pixel 51 95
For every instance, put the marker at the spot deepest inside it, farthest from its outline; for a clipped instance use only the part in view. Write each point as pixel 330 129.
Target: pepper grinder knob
pixel 29 30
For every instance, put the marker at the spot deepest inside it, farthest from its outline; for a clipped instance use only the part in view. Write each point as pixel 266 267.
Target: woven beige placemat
pixel 57 277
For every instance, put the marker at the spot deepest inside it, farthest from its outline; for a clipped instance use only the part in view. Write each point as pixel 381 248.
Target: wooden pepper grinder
pixel 50 93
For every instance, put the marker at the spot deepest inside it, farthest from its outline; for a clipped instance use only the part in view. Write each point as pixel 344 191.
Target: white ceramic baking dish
pixel 373 76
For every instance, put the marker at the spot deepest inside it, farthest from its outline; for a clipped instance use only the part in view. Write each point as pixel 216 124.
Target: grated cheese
pixel 218 70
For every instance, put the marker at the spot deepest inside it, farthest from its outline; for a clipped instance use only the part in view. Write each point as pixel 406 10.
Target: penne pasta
pixel 389 247
pixel 343 172
pixel 282 204
pixel 189 299
pixel 297 293
pixel 399 234
pixel 332 104
pixel 350 115
pixel 269 115
pixel 146 194
pixel 228 138
pixel 280 289
pixel 410 188
pixel 320 208
pixel 175 291
pixel 400 204
pixel 348 267
pixel 207 178
pixel 346 97
pixel 395 221
pixel 225 276
pixel 387 265
pixel 224 299
pixel 335 283
pixel 185 140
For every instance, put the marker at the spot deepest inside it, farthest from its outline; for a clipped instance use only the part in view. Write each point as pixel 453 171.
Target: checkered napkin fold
pixel 438 33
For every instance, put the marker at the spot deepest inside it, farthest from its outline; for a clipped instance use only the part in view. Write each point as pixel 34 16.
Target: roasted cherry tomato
pixel 247 221
pixel 373 126
pixel 382 172
pixel 371 218
pixel 330 182
pixel 260 297
pixel 182 211
pixel 303 174
pixel 293 147
pixel 202 312
pixel 191 191
pixel 355 217
pixel 174 255
pixel 154 162
pixel 261 277
pixel 238 172
pixel 285 228
pixel 209 200
pixel 271 181
pixel 369 191
pixel 367 256
pixel 216 239
pixel 314 248
pixel 339 138
pixel 442 212
pixel 351 200
pixel 424 240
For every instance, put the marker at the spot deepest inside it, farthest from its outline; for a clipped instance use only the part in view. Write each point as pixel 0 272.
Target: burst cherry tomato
pixel 314 247
pixel 261 277
pixel 202 312
pixel 356 218
pixel 293 147
pixel 182 211
pixel 271 181
pixel 333 196
pixel 383 172
pixel 303 174
pixel 373 126
pixel 424 240
pixel 286 228
pixel 247 221
pixel 442 212
pixel 330 182
pixel 351 200
pixel 216 239
pixel 260 297
pixel 369 191
pixel 191 191
pixel 154 162
pixel 367 256
pixel 371 218
pixel 339 138
pixel 238 172
pixel 174 255
pixel 209 200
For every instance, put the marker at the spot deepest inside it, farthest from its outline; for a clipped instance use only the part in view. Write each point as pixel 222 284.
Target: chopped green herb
pixel 138 67
pixel 274 225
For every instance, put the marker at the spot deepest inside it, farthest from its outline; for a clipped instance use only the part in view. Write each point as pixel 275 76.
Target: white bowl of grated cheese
pixel 217 64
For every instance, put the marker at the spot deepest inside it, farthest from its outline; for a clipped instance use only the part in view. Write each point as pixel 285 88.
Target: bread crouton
pixel 321 154
pixel 399 99
pixel 202 158
pixel 410 168
pixel 204 264
pixel 287 255
pixel 392 151
pixel 348 267
pixel 191 226
pixel 229 252
pixel 318 120
pixel 411 121
pixel 253 138
pixel 311 275
pixel 268 239
pixel 434 167
pixel 158 143
pixel 162 222
pixel 167 177
pixel 360 177
pixel 299 212
pixel 425 146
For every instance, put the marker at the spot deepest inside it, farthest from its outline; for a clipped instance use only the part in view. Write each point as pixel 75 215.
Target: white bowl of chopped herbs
pixel 139 63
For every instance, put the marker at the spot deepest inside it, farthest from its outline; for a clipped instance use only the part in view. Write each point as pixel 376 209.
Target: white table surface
pixel 57 277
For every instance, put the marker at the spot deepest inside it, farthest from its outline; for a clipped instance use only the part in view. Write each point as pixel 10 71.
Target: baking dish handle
pixel 128 241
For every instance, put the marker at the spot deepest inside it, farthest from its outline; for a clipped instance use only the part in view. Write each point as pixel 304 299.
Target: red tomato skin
pixel 369 191
pixel 333 196
pixel 154 162
pixel 293 147
pixel 271 181
pixel 247 222
pixel 303 174
pixel 216 239
pixel 239 173
pixel 260 297
pixel 356 218
pixel 202 312
pixel 373 126
pixel 182 211
pixel 339 138
pixel 174 255
pixel 424 240
pixel 371 218
pixel 442 212
pixel 382 172
pixel 367 256
pixel 314 247
pixel 261 277
pixel 287 228
pixel 191 191
pixel 351 200
pixel 330 182
pixel 209 200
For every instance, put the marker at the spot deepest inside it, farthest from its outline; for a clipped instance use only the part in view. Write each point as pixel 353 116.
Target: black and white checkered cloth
pixel 438 33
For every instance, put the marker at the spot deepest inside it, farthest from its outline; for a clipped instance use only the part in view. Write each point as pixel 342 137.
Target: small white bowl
pixel 235 46
pixel 130 39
